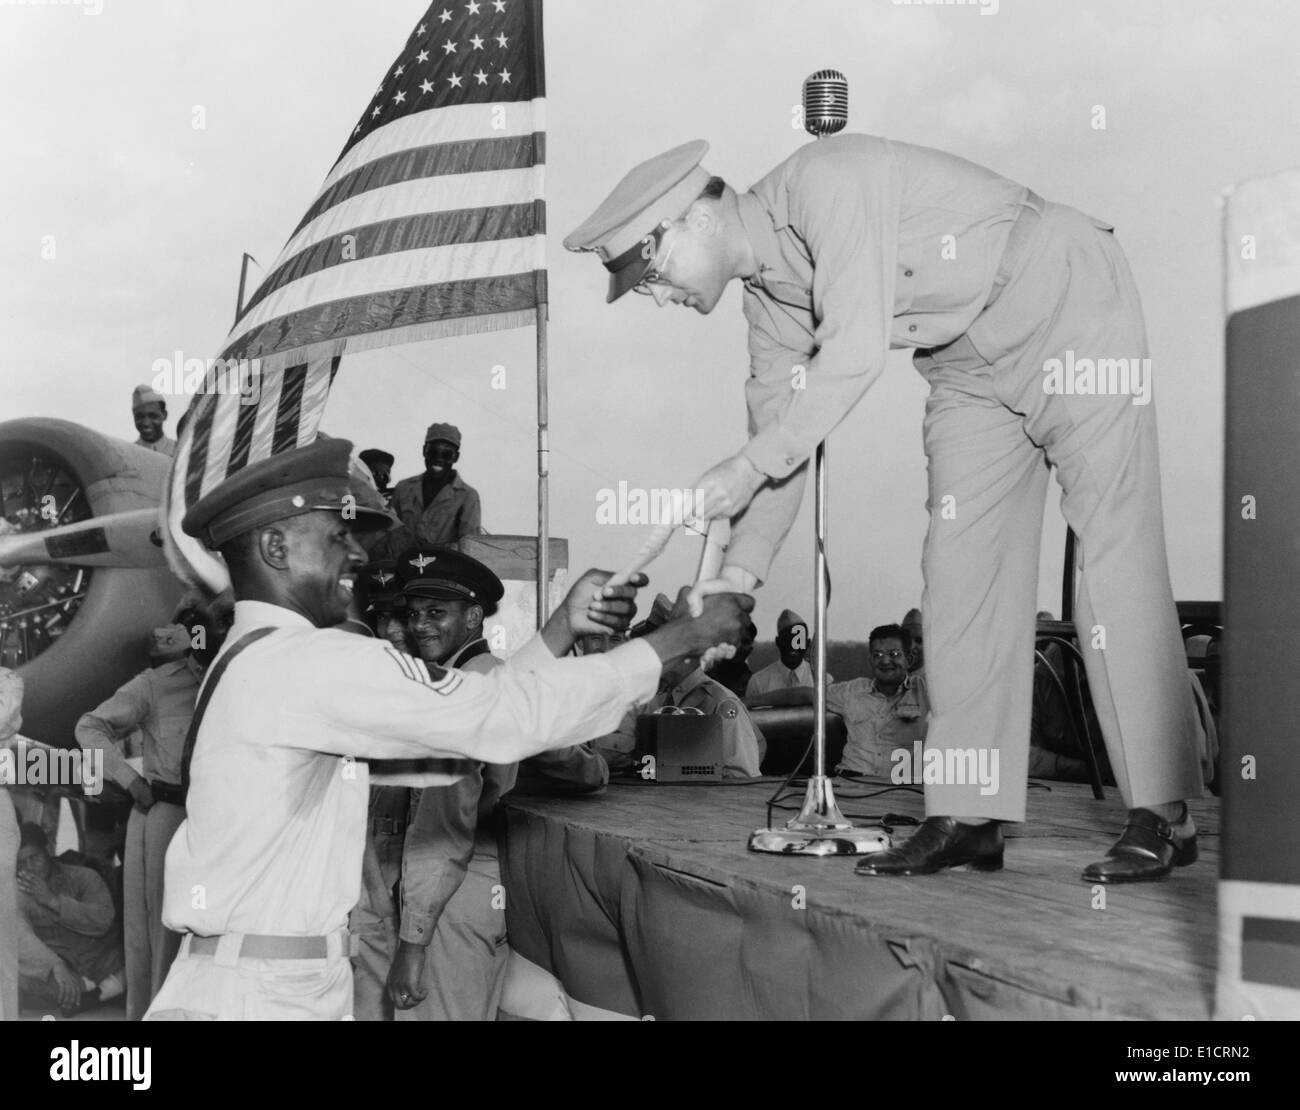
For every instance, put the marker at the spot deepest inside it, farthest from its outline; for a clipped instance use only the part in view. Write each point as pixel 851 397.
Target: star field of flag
pixel 431 223
pixel 478 52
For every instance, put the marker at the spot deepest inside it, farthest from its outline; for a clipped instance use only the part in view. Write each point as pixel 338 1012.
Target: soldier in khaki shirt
pixel 855 245
pixel 436 507
pixel 149 413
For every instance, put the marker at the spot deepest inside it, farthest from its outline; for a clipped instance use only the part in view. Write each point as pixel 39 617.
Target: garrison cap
pixel 143 395
pixel 788 621
pixel 625 229
pixel 375 455
pixel 291 483
pixel 449 432
pixel 447 573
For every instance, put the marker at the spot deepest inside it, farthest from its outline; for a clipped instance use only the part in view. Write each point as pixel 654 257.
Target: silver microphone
pixel 825 102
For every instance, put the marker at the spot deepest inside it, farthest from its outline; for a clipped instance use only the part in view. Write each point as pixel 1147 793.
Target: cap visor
pixel 444 593
pixel 624 280
pixel 372 520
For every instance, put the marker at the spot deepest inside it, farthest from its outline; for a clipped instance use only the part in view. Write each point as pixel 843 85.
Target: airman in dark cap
pixel 448 595
pixel 381 469
pixel 379 590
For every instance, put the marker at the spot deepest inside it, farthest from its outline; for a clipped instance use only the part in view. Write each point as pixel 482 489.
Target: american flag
pixel 431 223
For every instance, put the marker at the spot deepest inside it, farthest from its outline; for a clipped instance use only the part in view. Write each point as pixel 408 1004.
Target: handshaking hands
pixel 722 619
pixel 717 617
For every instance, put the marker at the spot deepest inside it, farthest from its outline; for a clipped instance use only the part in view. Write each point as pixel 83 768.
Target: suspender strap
pixel 205 696
pixel 477 648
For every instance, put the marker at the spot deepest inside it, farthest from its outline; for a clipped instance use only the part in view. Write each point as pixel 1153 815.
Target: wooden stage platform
pixel 1033 940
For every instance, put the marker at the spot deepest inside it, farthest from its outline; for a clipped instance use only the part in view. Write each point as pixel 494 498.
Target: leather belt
pixel 254 946
pixel 1022 231
pixel 167 792
pixel 387 825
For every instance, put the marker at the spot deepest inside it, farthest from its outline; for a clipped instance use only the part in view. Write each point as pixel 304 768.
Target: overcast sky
pixel 149 217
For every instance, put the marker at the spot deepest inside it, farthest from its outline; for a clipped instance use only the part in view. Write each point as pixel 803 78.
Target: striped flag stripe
pixel 410 198
pixel 286 419
pixel 241 448
pixel 389 272
pixel 431 229
pixel 267 408
pixel 437 160
pixel 448 302
pixel 446 125
pixel 199 432
pixel 221 435
pixel 315 392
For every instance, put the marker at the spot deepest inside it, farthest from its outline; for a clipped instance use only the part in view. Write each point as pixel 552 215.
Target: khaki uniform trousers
pixel 150 945
pixel 465 966
pixel 991 429
pixel 373 921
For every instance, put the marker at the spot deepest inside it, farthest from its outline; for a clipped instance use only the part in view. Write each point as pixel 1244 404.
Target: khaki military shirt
pixel 441 834
pixel 164 446
pixel 159 704
pixel 454 512
pixel 743 745
pixel 862 244
pixel 879 724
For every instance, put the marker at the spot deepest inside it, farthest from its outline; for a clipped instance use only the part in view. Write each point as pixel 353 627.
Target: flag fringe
pixel 412 333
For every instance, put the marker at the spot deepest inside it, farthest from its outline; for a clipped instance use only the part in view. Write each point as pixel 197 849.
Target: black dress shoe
pixel 940 842
pixel 1149 848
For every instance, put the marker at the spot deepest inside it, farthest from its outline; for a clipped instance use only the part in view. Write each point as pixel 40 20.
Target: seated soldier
pixel 793 669
pixel 69 937
pixel 912 622
pixel 882 714
pixel 686 686
pixel 734 673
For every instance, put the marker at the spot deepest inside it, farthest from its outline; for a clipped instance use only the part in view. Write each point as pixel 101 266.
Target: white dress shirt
pixel 276 813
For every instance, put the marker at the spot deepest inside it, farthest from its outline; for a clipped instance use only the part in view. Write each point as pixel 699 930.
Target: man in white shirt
pixel 263 872
pixel 792 670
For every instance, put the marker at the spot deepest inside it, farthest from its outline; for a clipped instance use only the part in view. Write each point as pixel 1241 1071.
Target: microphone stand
pixel 821 829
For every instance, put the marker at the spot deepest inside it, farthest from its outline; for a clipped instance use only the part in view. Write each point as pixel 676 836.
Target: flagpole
pixel 243 275
pixel 543 464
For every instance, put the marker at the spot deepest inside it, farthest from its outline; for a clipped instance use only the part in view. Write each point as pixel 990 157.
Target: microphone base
pixel 820 829
pixel 846 842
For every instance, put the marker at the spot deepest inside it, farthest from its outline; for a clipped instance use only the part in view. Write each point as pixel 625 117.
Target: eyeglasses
pixel 894 654
pixel 654 275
